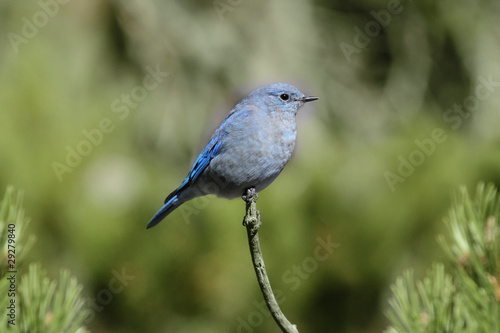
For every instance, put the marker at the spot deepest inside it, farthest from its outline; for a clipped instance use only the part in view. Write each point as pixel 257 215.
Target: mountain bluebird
pixel 248 150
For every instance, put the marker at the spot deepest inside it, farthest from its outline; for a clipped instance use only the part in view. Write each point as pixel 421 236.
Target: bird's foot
pixel 249 194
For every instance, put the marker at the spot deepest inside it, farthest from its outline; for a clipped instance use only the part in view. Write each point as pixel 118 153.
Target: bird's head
pixel 280 97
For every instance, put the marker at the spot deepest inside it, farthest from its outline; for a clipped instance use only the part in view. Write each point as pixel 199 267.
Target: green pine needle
pixel 50 306
pixel 41 304
pixel 467 299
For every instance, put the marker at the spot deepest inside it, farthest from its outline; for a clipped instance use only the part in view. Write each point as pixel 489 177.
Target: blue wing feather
pixel 200 164
pixel 211 150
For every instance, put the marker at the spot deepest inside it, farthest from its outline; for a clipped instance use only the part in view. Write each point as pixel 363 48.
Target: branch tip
pixel 252 223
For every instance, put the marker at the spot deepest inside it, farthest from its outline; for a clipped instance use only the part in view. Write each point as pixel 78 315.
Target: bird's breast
pixel 252 157
pixel 277 142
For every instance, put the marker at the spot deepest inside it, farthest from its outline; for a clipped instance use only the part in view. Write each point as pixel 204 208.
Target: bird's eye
pixel 285 97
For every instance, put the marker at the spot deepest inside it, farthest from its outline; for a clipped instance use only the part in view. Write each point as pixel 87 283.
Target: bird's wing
pixel 210 151
pixel 214 147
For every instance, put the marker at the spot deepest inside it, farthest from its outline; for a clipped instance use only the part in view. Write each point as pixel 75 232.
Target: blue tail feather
pixel 167 208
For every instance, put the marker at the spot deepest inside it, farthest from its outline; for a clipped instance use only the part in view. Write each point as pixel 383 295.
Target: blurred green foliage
pixel 66 69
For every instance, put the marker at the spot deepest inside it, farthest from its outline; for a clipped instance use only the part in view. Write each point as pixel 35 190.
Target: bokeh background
pixel 97 145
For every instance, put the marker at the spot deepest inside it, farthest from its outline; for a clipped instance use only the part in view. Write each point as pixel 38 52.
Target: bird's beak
pixel 309 99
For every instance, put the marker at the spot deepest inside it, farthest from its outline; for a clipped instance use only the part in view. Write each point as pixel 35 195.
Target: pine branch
pixel 12 213
pixel 50 306
pixel 31 301
pixel 252 223
pixel 467 299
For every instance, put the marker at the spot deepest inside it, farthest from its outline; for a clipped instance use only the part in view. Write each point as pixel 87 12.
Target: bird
pixel 248 150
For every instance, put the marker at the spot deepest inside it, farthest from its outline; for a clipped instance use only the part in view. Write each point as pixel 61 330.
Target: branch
pixel 252 223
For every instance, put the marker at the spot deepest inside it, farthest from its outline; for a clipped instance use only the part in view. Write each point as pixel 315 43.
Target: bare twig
pixel 252 223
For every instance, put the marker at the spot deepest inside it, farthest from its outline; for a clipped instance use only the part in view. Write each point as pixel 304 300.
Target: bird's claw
pixel 249 194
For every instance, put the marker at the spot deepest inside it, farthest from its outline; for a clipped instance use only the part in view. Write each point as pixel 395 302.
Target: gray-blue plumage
pixel 249 149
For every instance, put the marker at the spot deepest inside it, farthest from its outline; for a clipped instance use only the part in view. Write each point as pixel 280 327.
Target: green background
pixel 384 86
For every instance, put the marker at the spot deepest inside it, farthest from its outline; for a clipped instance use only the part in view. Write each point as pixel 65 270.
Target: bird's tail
pixel 169 206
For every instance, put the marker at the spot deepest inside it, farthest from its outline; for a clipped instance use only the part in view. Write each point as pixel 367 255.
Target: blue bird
pixel 249 149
